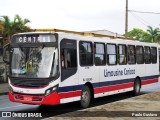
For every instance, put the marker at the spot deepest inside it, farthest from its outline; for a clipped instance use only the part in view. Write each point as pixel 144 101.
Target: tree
pixel 138 34
pixel 153 34
pixel 1 30
pixel 1 27
pixel 19 25
pixel 8 27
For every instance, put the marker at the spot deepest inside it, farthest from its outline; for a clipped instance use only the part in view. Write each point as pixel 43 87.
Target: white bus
pixel 49 68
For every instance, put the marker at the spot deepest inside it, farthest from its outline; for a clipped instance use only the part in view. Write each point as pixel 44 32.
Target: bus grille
pixel 28 98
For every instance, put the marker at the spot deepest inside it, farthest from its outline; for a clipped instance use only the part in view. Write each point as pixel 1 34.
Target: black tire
pixel 137 87
pixel 85 97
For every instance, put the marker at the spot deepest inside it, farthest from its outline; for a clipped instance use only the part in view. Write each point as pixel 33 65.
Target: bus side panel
pixel 114 79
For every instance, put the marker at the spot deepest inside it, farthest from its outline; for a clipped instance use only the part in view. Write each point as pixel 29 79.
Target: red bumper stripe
pixel 51 99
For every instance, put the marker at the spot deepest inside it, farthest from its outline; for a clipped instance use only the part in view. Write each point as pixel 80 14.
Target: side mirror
pixel 6 54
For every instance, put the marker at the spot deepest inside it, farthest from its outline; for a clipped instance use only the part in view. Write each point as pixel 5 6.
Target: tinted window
pixel 99 54
pixel 139 55
pixel 147 55
pixel 69 59
pixel 122 55
pixel 154 54
pixel 131 54
pixel 86 53
pixel 111 54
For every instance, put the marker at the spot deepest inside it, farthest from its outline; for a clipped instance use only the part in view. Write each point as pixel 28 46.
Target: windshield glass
pixel 34 62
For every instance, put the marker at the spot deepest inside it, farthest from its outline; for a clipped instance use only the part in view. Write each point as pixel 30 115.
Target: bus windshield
pixel 34 62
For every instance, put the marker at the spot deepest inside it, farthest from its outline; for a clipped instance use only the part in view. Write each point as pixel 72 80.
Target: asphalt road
pixel 50 111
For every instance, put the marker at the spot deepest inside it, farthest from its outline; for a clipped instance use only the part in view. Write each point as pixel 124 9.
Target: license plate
pixel 27 98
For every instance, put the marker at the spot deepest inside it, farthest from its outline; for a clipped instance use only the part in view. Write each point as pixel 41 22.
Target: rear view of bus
pixel 34 68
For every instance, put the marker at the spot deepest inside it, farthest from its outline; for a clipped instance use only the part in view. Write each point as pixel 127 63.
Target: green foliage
pixel 19 24
pixel 151 35
pixel 138 34
pixel 8 27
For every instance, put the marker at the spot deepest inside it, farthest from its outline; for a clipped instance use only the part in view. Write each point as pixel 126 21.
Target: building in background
pixel 105 32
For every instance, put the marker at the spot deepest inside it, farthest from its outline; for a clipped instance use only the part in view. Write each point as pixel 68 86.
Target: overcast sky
pixel 83 15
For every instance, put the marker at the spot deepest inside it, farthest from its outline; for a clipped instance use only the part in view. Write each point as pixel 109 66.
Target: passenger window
pixel 111 54
pixel 122 54
pixel 86 53
pixel 131 54
pixel 154 54
pixel 147 55
pixel 99 54
pixel 68 58
pixel 139 55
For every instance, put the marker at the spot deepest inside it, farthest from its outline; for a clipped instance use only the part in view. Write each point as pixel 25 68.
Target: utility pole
pixel 126 20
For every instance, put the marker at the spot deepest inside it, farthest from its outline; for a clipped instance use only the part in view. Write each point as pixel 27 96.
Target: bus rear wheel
pixel 137 87
pixel 85 97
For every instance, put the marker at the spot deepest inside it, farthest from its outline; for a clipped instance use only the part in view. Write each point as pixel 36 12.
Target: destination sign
pixel 33 38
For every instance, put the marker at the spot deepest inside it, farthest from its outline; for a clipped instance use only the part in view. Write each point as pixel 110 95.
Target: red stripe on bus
pixel 96 90
pixel 145 82
pixel 112 88
pixel 107 88
pixel 70 94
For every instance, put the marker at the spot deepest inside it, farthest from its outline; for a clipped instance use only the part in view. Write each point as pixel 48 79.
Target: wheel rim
pixel 137 87
pixel 85 97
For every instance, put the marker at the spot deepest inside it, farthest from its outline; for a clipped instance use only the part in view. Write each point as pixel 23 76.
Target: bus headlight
pixel 51 90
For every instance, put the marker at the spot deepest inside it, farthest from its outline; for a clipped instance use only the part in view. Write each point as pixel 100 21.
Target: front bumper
pixel 51 99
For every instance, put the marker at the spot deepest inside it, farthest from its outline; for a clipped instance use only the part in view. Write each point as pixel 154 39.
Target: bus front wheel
pixel 85 97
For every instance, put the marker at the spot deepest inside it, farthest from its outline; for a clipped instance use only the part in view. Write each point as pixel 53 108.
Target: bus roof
pixel 83 35
pixel 80 33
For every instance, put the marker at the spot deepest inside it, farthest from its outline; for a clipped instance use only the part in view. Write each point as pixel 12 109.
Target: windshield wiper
pixel 40 48
pixel 22 53
pixel 52 64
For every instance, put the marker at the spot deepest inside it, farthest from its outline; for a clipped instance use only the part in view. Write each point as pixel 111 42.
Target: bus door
pixel 68 58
